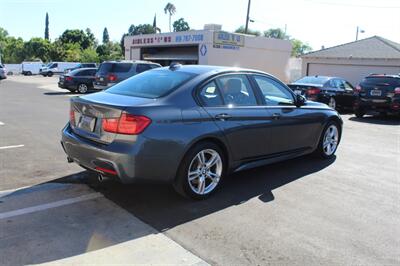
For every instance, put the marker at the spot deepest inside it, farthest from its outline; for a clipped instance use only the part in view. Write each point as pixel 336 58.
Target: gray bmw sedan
pixel 191 126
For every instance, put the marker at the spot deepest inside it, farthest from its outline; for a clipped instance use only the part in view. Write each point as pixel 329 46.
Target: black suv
pixel 378 93
pixel 113 72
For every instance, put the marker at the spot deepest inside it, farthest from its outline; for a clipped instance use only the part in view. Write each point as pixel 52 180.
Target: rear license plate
pixel 376 93
pixel 87 123
pixel 101 79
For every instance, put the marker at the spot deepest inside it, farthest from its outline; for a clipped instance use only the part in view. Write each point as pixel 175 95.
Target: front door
pixel 231 103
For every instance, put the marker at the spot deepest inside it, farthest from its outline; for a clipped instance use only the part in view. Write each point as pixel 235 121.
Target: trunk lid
pixel 90 110
pixel 378 89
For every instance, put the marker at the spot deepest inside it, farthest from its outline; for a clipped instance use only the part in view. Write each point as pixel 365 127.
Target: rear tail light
pixel 313 91
pixel 397 91
pixel 68 78
pixel 72 116
pixel 112 77
pixel 126 124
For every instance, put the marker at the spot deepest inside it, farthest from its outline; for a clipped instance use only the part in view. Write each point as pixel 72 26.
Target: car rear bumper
pixel 370 105
pixel 126 160
pixel 102 87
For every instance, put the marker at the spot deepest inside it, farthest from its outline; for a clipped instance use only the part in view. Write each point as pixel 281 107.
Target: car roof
pixel 131 61
pixel 204 69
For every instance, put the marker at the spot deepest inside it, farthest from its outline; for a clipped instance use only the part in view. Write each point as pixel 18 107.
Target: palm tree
pixel 171 9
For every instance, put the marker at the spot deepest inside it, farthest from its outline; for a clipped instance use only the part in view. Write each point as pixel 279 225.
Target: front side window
pixel 236 90
pixel 273 92
pixel 151 84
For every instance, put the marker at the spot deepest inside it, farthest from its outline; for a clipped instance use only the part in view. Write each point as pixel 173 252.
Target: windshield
pixel 151 84
pixel 313 80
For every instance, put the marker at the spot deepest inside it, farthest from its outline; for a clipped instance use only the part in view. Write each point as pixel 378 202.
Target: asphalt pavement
pixel 301 212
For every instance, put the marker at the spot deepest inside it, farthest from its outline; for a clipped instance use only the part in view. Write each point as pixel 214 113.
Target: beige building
pixel 353 61
pixel 212 47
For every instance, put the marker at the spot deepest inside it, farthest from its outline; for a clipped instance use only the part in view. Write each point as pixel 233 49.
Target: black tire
pixel 82 88
pixel 181 182
pixel 50 74
pixel 29 73
pixel 359 113
pixel 320 151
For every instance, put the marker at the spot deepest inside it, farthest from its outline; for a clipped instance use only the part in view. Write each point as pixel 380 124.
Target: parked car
pixel 31 67
pixel 3 74
pixel 113 72
pixel 335 92
pixel 81 65
pixel 378 93
pixel 193 125
pixel 80 80
pixel 56 68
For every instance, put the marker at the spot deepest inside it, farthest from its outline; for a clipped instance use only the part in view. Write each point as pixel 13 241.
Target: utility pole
pixel 247 18
pixel 359 31
pixel 357 34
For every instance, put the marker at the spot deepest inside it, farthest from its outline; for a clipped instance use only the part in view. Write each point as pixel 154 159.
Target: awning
pixel 172 56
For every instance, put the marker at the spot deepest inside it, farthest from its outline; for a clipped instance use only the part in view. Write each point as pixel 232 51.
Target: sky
pixel 318 22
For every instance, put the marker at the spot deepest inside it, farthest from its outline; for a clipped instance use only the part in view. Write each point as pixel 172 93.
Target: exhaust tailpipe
pixel 102 178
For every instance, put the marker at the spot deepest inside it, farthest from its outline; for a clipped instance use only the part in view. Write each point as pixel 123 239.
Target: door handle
pixel 223 116
pixel 276 116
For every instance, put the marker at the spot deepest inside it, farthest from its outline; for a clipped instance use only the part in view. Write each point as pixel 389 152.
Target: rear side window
pixel 236 90
pixel 114 67
pixel 151 84
pixel 142 68
pixel 210 95
pixel 386 81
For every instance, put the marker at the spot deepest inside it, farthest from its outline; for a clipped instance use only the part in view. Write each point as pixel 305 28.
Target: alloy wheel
pixel 82 88
pixel 331 139
pixel 205 171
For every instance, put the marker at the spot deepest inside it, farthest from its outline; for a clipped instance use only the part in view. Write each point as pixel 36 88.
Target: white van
pixel 57 68
pixel 31 68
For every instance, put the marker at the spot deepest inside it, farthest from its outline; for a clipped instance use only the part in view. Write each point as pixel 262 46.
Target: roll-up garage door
pixel 352 73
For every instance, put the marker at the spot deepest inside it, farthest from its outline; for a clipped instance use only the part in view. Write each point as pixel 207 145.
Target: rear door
pixel 290 128
pixel 231 103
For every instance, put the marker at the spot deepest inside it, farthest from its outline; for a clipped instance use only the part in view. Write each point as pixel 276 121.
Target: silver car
pixel 2 72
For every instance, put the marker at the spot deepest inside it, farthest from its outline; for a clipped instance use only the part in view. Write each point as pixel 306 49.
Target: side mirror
pixel 300 100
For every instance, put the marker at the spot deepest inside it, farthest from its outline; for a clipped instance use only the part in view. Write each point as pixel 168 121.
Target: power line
pixel 351 5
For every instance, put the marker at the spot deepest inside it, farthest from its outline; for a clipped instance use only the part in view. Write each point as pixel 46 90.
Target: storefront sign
pixel 148 40
pixel 222 38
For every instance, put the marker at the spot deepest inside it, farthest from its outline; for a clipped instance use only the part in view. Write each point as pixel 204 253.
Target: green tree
pixel 299 48
pixel 83 39
pixel 171 10
pixel 12 50
pixel 276 34
pixel 109 51
pixel 106 37
pixel 73 52
pixel 181 25
pixel 57 51
pixel 141 29
pixel 37 48
pixel 46 29
pixel 89 56
pixel 241 29
pixel 91 37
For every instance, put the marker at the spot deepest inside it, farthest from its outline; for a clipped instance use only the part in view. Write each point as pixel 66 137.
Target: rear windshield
pixel 151 84
pixel 114 67
pixel 383 81
pixel 312 80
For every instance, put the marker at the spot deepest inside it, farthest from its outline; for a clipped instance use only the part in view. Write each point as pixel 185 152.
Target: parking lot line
pixel 51 205
pixel 12 146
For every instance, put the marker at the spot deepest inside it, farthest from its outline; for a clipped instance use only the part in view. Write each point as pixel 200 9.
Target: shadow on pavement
pixel 59 93
pixel 378 120
pixel 162 208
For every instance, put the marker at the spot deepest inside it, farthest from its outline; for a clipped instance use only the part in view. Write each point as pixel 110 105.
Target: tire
pixel 332 103
pixel 329 140
pixel 359 113
pixel 29 73
pixel 82 88
pixel 50 74
pixel 188 185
